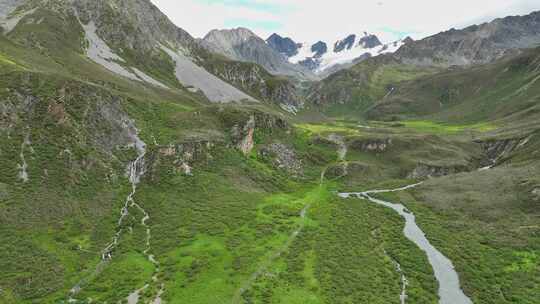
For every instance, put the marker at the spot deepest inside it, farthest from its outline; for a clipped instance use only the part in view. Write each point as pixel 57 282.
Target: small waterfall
pixel 135 170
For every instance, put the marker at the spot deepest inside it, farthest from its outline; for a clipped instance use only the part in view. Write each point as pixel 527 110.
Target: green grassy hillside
pixel 506 90
pixel 351 92
pixel 237 203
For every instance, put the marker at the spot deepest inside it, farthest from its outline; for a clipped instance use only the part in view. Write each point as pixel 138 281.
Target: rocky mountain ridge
pixel 135 40
pixel 242 44
pixel 367 82
pixel 476 44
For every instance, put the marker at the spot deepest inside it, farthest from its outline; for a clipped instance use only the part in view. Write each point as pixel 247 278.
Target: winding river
pixel 449 288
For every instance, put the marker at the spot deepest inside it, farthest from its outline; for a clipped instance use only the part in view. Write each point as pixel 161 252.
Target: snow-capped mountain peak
pixel 322 56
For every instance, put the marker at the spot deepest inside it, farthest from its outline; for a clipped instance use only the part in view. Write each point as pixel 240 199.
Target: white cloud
pixel 308 20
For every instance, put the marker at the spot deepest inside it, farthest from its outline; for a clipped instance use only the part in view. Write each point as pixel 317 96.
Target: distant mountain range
pixel 474 45
pixel 324 57
pixel 282 55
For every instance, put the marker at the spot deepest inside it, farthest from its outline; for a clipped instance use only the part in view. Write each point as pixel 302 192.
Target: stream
pixel 23 167
pixel 449 287
pixel 136 169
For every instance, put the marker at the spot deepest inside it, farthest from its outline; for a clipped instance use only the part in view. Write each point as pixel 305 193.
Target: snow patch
pixel 191 75
pixel 345 56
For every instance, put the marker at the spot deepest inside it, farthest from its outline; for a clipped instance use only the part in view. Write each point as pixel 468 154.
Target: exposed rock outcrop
pixel 423 171
pixel 283 157
pixel 498 149
pixel 186 155
pixel 244 126
pixel 372 145
pixel 252 78
pixel 101 115
pixel 246 143
pixel 133 24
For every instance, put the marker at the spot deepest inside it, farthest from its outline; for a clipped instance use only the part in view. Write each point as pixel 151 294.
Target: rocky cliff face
pixel 93 112
pixel 254 79
pixel 242 127
pixel 135 24
pixel 366 41
pixel 243 45
pixel 498 150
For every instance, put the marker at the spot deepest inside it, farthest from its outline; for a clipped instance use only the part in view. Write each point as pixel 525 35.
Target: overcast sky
pixel 312 20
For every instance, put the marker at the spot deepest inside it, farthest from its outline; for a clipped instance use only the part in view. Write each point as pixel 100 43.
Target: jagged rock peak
pixel 326 57
pixel 320 48
pixel 369 41
pixel 285 46
pixel 243 45
pixel 346 43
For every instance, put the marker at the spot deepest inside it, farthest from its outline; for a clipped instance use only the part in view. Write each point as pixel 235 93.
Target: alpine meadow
pixel 142 165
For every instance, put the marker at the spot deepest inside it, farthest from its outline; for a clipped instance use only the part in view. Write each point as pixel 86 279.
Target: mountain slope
pixel 504 90
pixel 143 46
pixel 243 45
pixel 476 44
pixel 352 91
pixel 468 47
